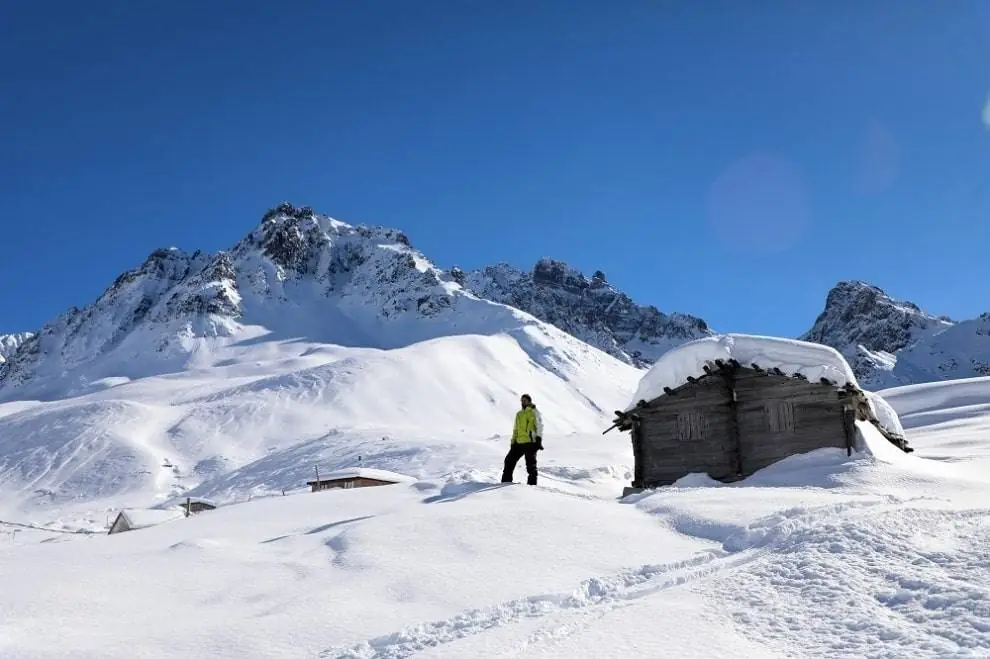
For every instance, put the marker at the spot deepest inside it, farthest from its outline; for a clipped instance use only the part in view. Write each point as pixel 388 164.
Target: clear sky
pixel 725 158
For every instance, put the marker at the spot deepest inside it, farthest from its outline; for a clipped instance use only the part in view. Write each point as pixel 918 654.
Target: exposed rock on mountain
pixel 297 274
pixel 9 343
pixel 590 309
pixel 870 328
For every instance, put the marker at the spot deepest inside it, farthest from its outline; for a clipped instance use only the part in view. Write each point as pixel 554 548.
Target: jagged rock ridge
pixel 278 279
pixel 870 329
pixel 590 309
pixel 10 343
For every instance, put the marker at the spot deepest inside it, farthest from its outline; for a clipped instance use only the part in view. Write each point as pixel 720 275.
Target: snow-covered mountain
pixel 9 343
pixel 961 350
pixel 871 329
pixel 298 275
pixel 590 309
pixel 314 344
pixel 308 342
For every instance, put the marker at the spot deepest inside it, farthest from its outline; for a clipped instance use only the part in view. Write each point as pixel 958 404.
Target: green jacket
pixel 528 426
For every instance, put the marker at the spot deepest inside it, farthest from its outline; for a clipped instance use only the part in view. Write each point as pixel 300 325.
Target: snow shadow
pixel 458 491
pixel 319 529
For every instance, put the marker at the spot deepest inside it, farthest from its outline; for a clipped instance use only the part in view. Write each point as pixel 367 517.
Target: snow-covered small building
pixel 133 519
pixel 729 405
pixel 356 477
pixel 193 505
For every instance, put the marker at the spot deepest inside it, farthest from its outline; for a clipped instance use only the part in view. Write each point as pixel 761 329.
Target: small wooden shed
pixel 138 518
pixel 193 505
pixel 133 519
pixel 703 409
pixel 357 477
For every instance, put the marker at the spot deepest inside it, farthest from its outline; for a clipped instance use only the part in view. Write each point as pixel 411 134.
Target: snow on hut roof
pixel 812 360
pixel 885 414
pixel 361 472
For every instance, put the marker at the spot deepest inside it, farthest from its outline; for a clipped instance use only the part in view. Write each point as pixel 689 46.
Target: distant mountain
pixel 297 275
pixel 310 342
pixel 873 330
pixel 9 343
pixel 300 274
pixel 590 309
pixel 961 350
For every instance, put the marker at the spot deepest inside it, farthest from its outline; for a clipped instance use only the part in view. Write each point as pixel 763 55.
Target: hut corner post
pixel 728 372
pixel 849 425
pixel 631 421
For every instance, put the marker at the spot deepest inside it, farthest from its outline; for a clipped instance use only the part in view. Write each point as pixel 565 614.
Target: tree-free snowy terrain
pixel 880 554
pixel 314 344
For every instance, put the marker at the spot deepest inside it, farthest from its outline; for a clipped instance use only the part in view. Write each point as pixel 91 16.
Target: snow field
pixel 878 554
pixel 820 555
pixel 258 422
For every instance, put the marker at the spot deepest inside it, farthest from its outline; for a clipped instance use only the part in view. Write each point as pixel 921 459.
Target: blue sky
pixel 728 159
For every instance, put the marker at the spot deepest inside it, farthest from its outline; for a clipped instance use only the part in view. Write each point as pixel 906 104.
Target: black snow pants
pixel 517 451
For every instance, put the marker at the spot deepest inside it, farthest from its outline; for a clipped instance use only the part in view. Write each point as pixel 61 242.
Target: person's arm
pixel 539 424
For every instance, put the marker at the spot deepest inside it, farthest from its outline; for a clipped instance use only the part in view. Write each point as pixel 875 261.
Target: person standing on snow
pixel 527 439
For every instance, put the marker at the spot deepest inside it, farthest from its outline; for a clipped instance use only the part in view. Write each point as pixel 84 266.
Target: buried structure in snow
pixel 732 404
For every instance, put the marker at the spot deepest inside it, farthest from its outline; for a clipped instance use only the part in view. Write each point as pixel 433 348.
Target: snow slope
pixel 881 554
pixel 269 414
pixel 311 343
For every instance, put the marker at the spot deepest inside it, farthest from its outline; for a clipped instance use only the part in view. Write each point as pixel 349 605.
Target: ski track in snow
pixel 597 596
pixel 599 593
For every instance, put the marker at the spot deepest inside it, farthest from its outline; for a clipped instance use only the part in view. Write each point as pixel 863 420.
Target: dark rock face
pixel 869 327
pixel 306 270
pixel 10 343
pixel 292 260
pixel 589 309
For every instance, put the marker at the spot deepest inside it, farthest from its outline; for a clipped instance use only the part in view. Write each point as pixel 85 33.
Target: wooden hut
pixel 702 409
pixel 357 477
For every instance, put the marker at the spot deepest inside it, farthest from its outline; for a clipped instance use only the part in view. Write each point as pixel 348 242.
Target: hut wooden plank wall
pixel 734 420
pixel 779 416
pixel 346 483
pixel 694 427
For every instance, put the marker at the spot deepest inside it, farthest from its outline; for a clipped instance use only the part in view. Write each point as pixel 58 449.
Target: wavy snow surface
pixel 261 418
pixel 879 554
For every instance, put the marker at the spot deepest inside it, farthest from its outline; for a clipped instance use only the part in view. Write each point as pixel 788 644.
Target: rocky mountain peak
pixel 10 343
pixel 296 273
pixel 869 327
pixel 590 309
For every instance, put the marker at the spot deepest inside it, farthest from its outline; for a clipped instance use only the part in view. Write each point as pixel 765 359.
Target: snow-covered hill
pixel 297 276
pixel 870 328
pixel 592 310
pixel 9 343
pixel 959 351
pixel 309 343
pixel 312 343
pixel 263 415
pixel 879 554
